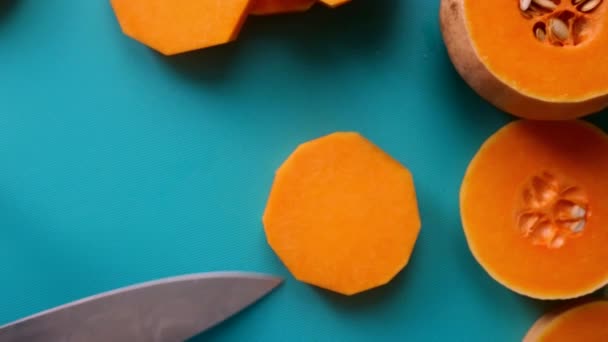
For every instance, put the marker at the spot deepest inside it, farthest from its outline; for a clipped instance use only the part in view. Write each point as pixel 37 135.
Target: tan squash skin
pixel 477 76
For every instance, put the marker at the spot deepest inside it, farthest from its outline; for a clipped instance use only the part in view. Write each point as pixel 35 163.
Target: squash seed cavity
pixel 540 31
pixel 550 213
pixel 560 23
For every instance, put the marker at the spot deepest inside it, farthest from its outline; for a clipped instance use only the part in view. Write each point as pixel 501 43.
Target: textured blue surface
pixel 119 165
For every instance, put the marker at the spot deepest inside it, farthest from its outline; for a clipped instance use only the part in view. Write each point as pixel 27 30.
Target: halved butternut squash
pixel 267 7
pixel 342 214
pixel 586 322
pixel 534 206
pixel 537 59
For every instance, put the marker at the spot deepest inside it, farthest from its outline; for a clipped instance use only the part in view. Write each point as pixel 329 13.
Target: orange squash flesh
pixel 176 26
pixel 266 7
pixel 586 322
pixel 494 47
pixel 534 206
pixel 342 214
pixel 334 3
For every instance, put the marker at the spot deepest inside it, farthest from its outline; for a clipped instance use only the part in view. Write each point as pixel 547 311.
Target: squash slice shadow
pixel 474 111
pixel 599 119
pixel 210 64
pixel 329 38
pixel 6 7
pixel 321 38
pixel 369 300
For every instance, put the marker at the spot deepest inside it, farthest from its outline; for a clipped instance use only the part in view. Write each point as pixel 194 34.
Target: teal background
pixel 119 165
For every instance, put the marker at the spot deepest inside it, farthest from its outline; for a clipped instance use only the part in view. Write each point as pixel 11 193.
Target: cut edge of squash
pixel 132 33
pixel 409 249
pixel 334 3
pixel 546 295
pixel 514 54
pixel 490 87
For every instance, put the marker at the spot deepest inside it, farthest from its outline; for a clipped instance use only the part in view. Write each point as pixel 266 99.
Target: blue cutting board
pixel 119 165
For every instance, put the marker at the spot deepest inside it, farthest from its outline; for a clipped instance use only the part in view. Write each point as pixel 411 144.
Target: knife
pixel 168 310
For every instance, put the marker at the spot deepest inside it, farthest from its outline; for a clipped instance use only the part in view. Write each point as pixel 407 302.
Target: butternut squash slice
pixel 267 7
pixel 585 322
pixel 534 206
pixel 342 214
pixel 334 3
pixel 536 59
pixel 176 26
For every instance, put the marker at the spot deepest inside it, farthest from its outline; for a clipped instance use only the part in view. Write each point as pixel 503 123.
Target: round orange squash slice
pixel 537 59
pixel 586 322
pixel 534 208
pixel 342 214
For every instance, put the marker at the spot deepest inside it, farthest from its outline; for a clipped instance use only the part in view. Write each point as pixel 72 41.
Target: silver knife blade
pixel 172 309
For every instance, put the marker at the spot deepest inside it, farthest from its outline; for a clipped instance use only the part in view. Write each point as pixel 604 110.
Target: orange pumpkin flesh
pixel 266 7
pixel 534 202
pixel 342 214
pixel 176 26
pixel 334 3
pixel 494 47
pixel 585 322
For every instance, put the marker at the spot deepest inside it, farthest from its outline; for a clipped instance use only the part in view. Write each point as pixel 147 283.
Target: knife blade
pixel 171 309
